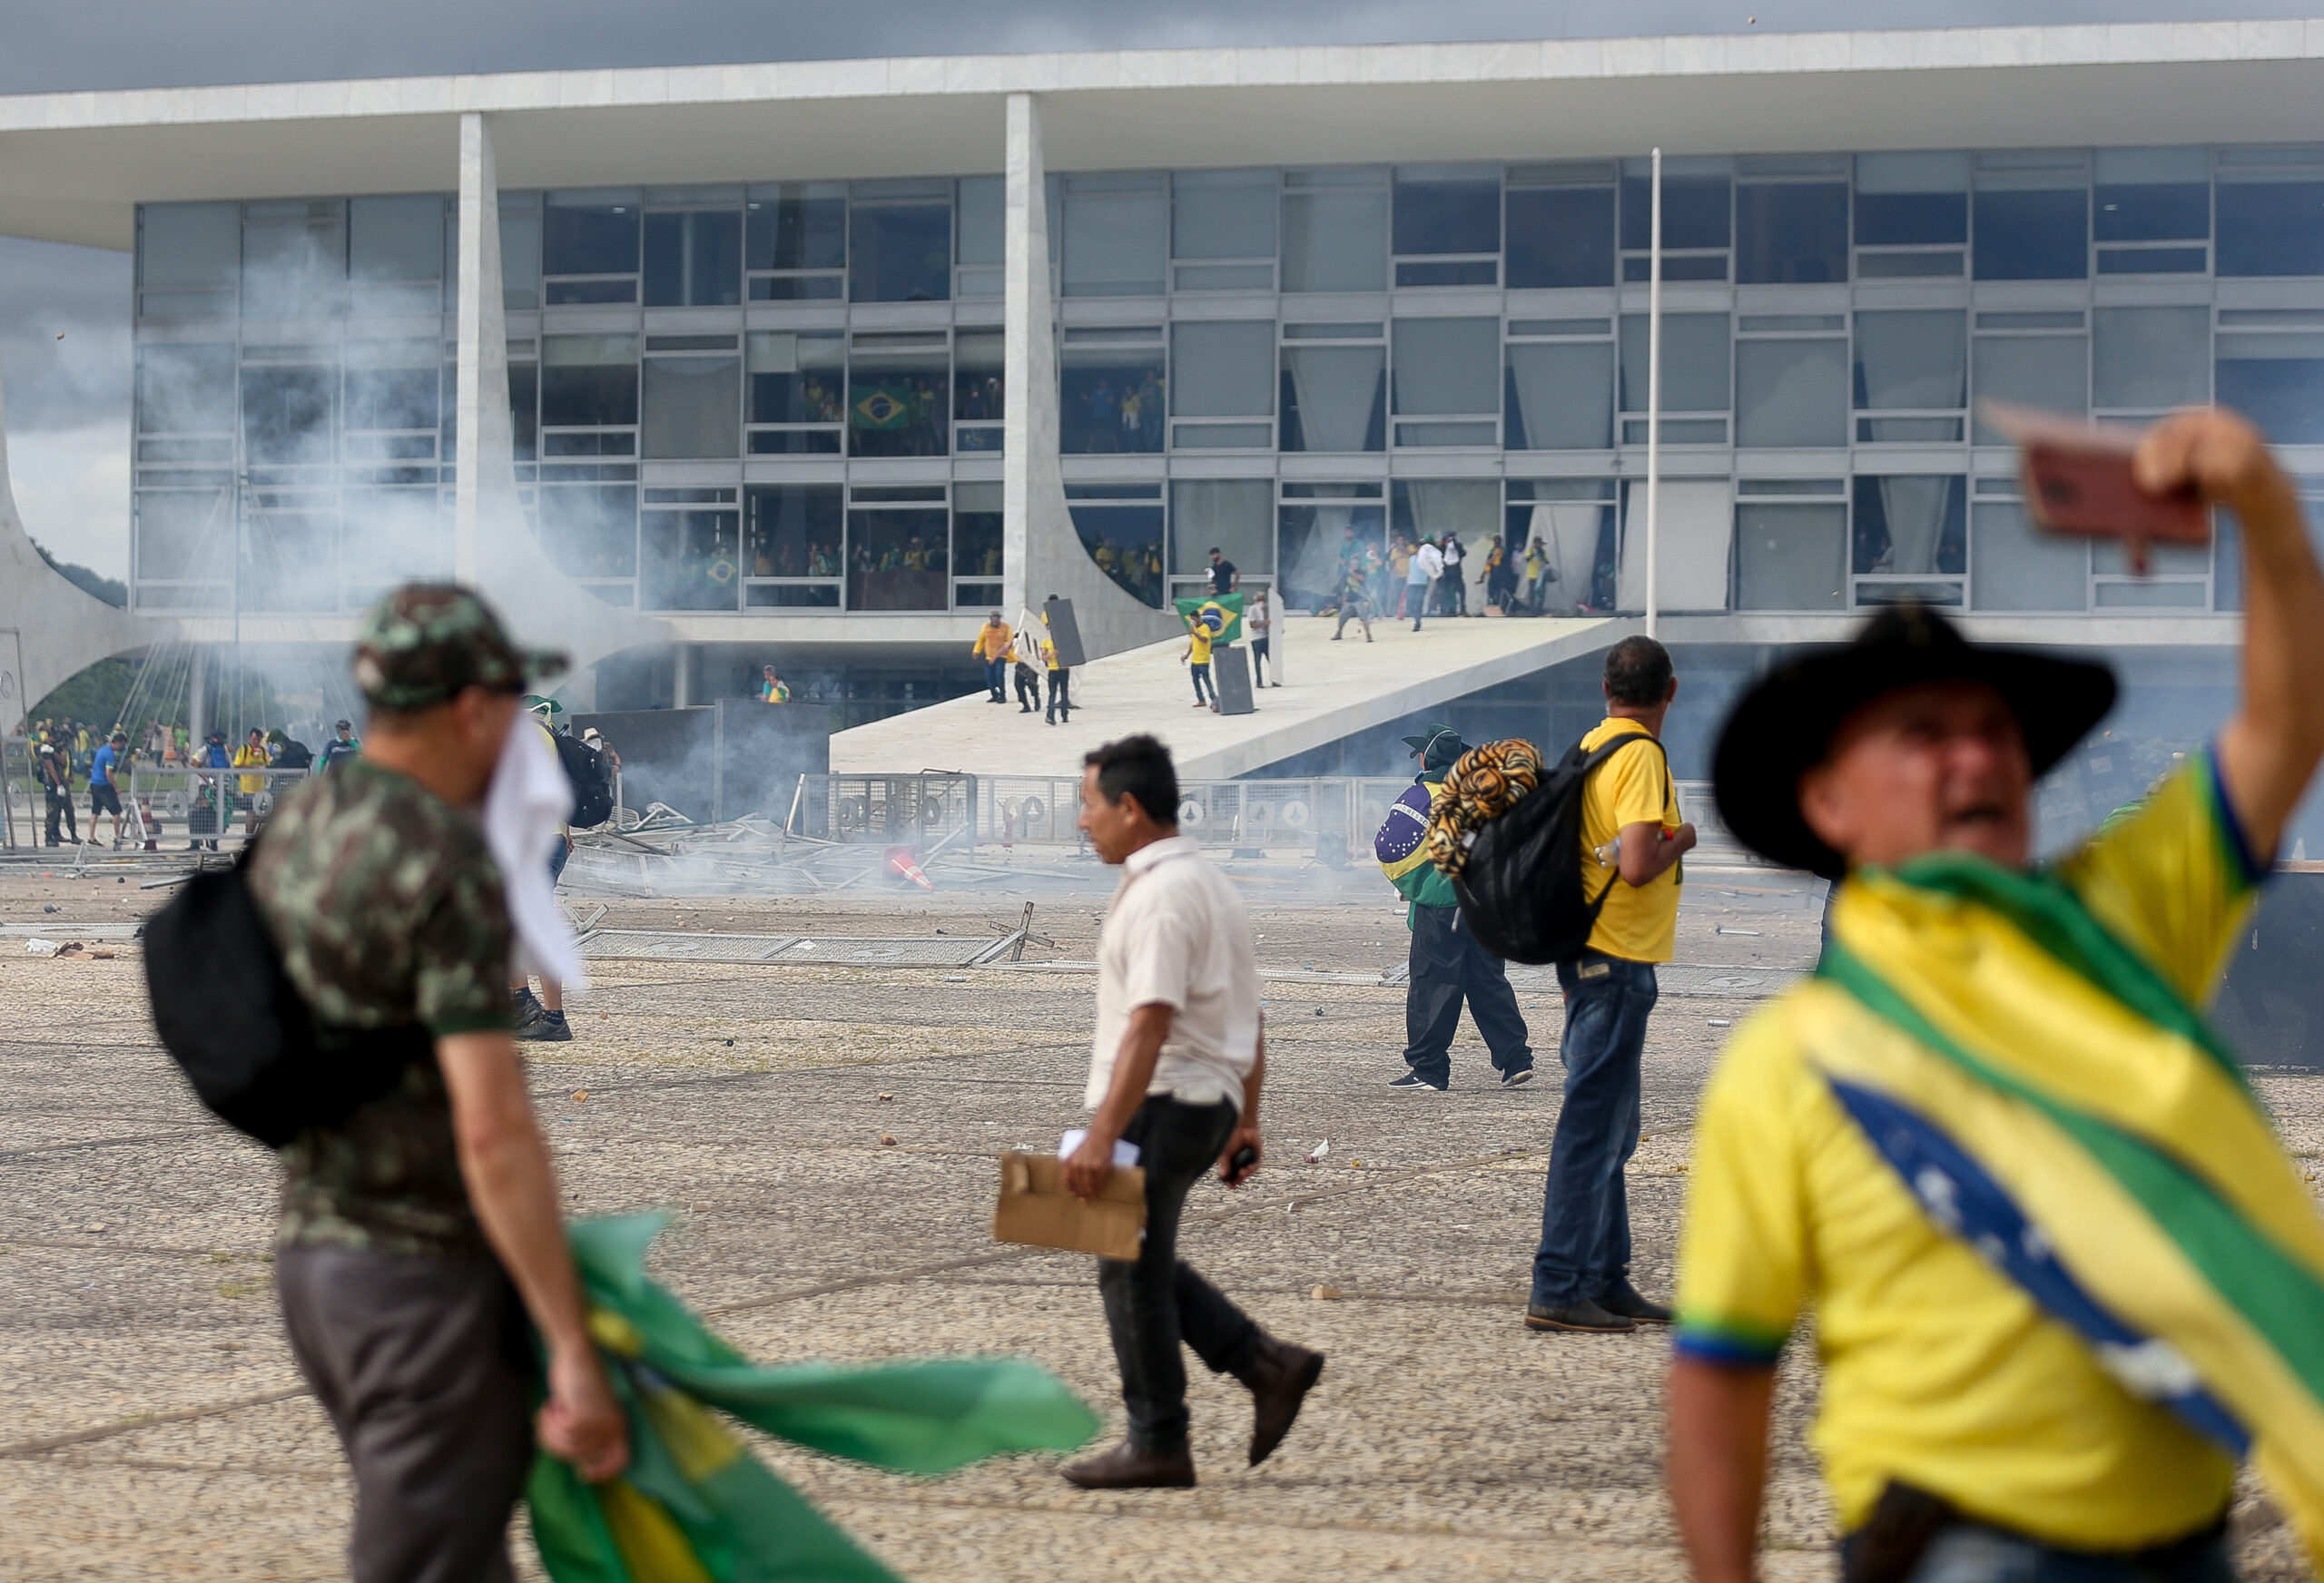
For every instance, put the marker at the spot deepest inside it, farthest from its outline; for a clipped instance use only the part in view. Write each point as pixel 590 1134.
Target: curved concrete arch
pixel 61 630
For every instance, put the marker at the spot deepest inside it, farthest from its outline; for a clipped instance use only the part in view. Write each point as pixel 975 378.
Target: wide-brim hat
pixel 1780 730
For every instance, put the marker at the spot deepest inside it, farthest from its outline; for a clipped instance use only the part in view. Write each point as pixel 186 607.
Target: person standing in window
pixel 1224 576
pixel 1451 593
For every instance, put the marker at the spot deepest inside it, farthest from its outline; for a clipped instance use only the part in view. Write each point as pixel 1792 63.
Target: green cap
pixel 426 642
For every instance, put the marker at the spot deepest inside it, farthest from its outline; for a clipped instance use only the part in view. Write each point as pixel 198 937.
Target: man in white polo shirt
pixel 1175 1070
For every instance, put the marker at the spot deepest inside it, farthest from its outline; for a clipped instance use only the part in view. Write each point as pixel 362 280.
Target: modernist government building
pixel 704 365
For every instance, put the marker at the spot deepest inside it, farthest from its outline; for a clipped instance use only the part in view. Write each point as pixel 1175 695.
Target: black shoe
pixel 525 1005
pixel 549 1027
pixel 1129 1467
pixel 1517 1079
pixel 1624 1301
pixel 1281 1376
pixel 1414 1083
pixel 1584 1316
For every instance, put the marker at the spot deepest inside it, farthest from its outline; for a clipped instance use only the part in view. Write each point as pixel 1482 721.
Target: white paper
pixel 523 815
pixel 1125 1153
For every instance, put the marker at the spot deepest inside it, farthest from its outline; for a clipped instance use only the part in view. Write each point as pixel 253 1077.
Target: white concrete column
pixel 197 692
pixel 481 386
pixel 1041 552
pixel 682 668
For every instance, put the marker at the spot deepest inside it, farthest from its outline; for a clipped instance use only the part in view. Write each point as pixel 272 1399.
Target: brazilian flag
pixel 694 1506
pixel 1230 614
pixel 886 406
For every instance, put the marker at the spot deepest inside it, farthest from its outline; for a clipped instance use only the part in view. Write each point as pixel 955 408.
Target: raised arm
pixel 2270 746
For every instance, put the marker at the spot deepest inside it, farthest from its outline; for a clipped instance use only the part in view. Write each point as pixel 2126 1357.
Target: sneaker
pixel 549 1027
pixel 525 1007
pixel 1584 1316
pixel 1517 1079
pixel 1624 1301
pixel 1414 1083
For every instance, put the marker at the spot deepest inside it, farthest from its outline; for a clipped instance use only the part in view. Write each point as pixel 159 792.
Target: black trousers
pixel 60 804
pixel 1029 688
pixel 1060 693
pixel 1157 1302
pixel 422 1365
pixel 1449 967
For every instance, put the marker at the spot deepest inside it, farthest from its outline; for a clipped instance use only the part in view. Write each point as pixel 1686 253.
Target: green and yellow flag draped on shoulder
pixel 694 1506
pixel 2024 1053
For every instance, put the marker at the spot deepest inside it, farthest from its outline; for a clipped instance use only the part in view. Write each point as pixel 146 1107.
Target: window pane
pixel 189 244
pixel 290 561
pixel 1916 357
pixel 793 530
pixel 1448 209
pixel 900 253
pixel 1911 199
pixel 525 411
pixel 1791 232
pixel 1334 241
pixel 395 239
pixel 1111 401
pixel 897 406
pixel 2278 382
pixel 983 238
pixel 1335 399
pixel 1114 244
pixel 2272 227
pixel 1791 392
pixel 287 414
pixel 1223 214
pixel 1694 210
pixel 797 225
pixel 391 386
pixel 693 261
pixel 796 378
pixel 2160 211
pixel 977 371
pixel 1236 515
pixel 1449 366
pixel 1694 362
pixel 1791 557
pixel 184 535
pixel 589 239
pixel 1126 541
pixel 693 408
pixel 2152 358
pixel 1911 524
pixel 588 380
pixel 294 264
pixel 590 531
pixel 1467 508
pixel 185 390
pixel 520 261
pixel 1560 236
pixel 976 530
pixel 897 560
pixel 691 560
pixel 1225 369
pixel 393 536
pixel 2016 567
pixel 2047 371
pixel 1561 396
pixel 2033 236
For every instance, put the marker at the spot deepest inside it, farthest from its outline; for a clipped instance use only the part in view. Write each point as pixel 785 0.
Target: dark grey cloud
pixel 112 43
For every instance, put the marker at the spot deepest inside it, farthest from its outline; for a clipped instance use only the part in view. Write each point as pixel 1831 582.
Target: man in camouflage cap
pixel 418 1234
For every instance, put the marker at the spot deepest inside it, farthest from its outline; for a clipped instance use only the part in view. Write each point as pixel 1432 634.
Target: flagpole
pixel 1654 399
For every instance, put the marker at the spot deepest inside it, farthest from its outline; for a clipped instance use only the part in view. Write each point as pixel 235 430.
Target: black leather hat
pixel 1780 729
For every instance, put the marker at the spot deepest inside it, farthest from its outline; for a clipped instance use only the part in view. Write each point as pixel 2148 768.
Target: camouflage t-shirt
pixel 385 906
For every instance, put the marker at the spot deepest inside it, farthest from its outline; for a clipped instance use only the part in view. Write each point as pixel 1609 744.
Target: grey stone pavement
pixel 152 1423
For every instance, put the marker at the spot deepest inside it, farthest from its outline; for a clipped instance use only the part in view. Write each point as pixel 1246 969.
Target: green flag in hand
pixel 694 1506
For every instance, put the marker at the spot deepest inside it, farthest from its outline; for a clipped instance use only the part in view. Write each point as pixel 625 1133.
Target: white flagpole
pixel 1654 398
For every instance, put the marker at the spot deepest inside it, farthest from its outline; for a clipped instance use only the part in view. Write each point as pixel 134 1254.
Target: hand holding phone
pixel 2077 479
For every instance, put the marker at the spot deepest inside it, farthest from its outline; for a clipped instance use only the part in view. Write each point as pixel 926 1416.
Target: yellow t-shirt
pixel 1199 654
pixel 992 642
pixel 1938 1369
pixel 1049 656
pixel 1638 923
pixel 249 758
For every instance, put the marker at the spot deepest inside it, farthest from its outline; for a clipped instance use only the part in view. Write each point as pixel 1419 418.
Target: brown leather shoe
pixel 1127 1467
pixel 1281 1376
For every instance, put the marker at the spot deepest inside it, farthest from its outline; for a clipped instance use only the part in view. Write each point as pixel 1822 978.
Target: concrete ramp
pixel 1331 690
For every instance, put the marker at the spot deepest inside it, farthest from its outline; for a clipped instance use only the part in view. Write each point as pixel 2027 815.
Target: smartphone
pixel 2077 480
pixel 1239 1164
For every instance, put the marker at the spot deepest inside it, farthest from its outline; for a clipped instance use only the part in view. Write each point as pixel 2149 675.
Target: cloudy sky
pixel 63 311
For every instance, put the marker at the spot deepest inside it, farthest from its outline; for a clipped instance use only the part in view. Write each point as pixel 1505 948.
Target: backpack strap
pixel 1589 763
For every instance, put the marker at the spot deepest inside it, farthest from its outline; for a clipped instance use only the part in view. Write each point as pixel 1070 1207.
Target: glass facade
pixel 788 395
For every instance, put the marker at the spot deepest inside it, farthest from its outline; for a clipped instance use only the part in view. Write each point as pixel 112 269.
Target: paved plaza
pixel 152 1426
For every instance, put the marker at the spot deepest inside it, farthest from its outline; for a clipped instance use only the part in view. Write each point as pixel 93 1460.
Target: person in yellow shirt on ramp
pixel 994 639
pixel 1203 628
pixel 2064 1273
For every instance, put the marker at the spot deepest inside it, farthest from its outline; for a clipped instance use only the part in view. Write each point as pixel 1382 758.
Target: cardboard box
pixel 1036 1208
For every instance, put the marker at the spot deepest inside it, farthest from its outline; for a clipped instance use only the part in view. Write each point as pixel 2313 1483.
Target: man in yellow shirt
pixel 1203 628
pixel 251 755
pixel 2062 1272
pixel 992 646
pixel 1632 838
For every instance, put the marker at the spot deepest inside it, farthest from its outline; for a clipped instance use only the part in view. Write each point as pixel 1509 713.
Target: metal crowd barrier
pixel 163 802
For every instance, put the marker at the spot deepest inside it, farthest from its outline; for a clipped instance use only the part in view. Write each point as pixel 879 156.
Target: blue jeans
pixel 996 679
pixel 1969 1552
pixel 1202 689
pixel 1585 1216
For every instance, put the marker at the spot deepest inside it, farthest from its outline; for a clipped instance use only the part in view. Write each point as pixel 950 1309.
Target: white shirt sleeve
pixel 1157 961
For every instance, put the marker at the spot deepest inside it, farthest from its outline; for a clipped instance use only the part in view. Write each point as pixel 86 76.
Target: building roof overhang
pixel 74 167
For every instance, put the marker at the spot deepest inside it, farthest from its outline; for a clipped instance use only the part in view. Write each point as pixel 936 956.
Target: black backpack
pixel 239 1029
pixel 295 756
pixel 1522 892
pixel 593 785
